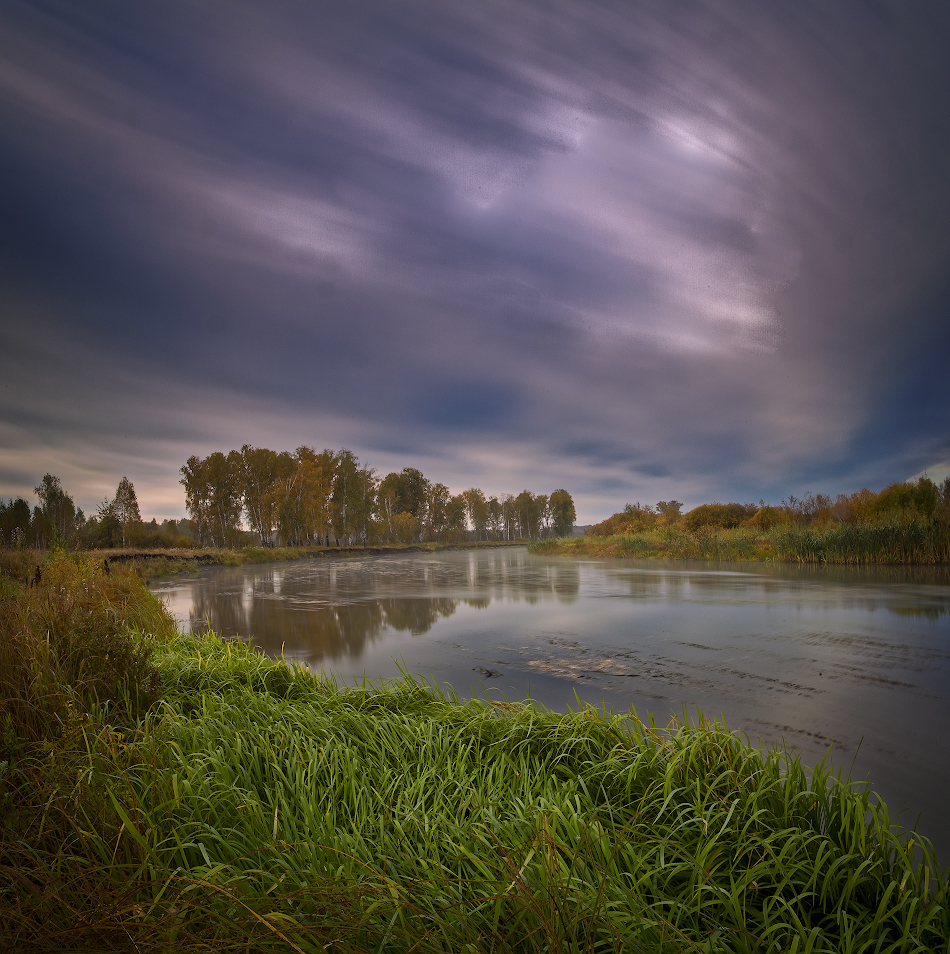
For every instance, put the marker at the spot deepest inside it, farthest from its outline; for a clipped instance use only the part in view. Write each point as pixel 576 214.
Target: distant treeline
pixel 304 498
pixel 922 501
pixel 321 498
pixel 57 521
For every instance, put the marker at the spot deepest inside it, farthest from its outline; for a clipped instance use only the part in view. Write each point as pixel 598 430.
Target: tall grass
pixel 75 673
pixel 911 541
pixel 670 543
pixel 257 806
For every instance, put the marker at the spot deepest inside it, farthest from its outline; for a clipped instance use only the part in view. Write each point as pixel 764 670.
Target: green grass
pixel 256 806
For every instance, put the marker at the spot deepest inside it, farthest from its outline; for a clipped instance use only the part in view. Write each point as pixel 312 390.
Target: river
pixel 855 662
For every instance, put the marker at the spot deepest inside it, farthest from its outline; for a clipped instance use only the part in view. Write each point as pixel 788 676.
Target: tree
pixel 353 499
pixel 563 515
pixel 477 507
pixel 125 508
pixel 455 518
pixel 109 528
pixel 14 522
pixel 495 522
pixel 58 510
pixel 413 493
pixel 387 507
pixel 509 517
pixel 670 510
pixel 408 492
pixel 437 511
pixel 213 496
pixel 259 468
pixel 304 495
pixel 197 492
pixel 542 504
pixel 528 510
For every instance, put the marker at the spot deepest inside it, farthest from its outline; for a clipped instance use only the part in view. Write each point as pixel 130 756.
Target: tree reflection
pixel 323 609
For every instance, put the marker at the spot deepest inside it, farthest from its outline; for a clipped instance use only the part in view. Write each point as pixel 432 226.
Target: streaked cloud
pixel 694 251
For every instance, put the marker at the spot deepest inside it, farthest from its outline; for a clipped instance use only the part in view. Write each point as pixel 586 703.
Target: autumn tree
pixel 413 493
pixel 364 503
pixel 304 495
pixel 259 476
pixel 495 523
pixel 670 511
pixel 194 481
pixel 528 513
pixel 563 515
pixel 509 517
pixel 455 513
pixel 476 507
pixel 542 503
pixel 213 496
pixel 436 511
pixel 387 507
pixel 407 492
pixel 353 498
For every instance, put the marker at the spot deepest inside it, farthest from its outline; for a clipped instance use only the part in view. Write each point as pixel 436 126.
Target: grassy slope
pixel 255 806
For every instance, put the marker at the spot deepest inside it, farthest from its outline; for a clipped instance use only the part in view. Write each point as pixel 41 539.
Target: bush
pixel 720 516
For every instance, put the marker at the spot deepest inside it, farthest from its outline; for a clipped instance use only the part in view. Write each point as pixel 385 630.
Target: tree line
pixel 309 497
pixel 304 498
pixel 57 521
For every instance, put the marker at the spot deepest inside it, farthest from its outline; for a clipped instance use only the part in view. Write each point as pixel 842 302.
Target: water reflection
pixel 921 612
pixel 323 610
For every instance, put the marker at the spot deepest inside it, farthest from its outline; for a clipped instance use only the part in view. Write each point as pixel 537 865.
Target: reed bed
pixel 912 541
pixel 257 806
pixel 669 543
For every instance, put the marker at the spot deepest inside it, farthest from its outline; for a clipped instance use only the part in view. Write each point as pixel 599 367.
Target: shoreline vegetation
pixel 309 503
pixel 153 563
pixel 906 523
pixel 169 792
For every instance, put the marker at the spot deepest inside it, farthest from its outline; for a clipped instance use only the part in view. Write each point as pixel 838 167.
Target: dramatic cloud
pixel 694 250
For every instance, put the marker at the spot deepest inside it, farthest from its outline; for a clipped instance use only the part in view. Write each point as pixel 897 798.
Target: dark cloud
pixel 694 250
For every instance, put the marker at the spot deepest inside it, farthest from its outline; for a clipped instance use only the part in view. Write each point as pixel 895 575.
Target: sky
pixel 641 251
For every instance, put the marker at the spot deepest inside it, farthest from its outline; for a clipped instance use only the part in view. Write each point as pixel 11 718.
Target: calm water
pixel 855 661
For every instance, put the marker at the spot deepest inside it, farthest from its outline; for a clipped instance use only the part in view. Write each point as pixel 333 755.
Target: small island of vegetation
pixel 162 792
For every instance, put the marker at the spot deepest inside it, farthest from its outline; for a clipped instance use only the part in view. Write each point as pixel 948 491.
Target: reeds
pixel 911 542
pixel 256 806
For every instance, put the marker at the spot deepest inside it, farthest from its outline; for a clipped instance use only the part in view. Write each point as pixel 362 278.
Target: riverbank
pixel 909 542
pixel 153 563
pixel 171 792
